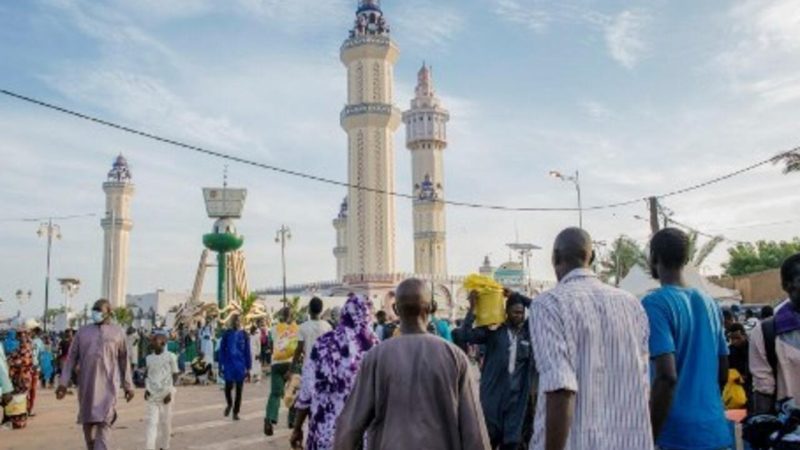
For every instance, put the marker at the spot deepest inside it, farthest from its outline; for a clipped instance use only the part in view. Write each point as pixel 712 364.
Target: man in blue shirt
pixel 688 354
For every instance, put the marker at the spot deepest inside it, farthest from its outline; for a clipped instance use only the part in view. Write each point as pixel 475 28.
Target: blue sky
pixel 641 96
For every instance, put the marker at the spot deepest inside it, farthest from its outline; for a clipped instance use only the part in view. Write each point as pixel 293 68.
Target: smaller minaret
pixel 340 251
pixel 117 225
pixel 426 138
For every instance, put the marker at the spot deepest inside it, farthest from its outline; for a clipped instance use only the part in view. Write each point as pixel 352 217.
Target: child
pixel 46 365
pixel 162 373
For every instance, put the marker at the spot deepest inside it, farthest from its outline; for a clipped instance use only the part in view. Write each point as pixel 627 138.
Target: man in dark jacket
pixel 508 371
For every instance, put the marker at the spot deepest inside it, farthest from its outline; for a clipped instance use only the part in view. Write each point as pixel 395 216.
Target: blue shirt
pixel 688 323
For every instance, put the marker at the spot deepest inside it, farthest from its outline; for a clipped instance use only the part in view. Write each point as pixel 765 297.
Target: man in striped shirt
pixel 590 347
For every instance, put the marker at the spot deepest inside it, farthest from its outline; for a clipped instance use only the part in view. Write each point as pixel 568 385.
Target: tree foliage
pixel 748 258
pixel 790 161
pixel 698 254
pixel 625 253
pixel 123 316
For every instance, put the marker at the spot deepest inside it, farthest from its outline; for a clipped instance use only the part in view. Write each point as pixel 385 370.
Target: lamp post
pixel 50 230
pixel 575 179
pixel 70 288
pixel 284 234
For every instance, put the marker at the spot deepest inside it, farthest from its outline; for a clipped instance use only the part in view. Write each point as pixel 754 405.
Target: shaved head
pixel 572 250
pixel 413 299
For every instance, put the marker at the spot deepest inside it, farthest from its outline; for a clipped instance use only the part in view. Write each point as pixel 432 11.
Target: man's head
pixel 36 332
pixel 235 322
pixel 285 315
pixel 200 354
pixel 101 311
pixel 515 311
pixel 253 329
pixel 790 278
pixel 727 319
pixel 158 341
pixel 315 308
pixel 572 250
pixel 380 316
pixel 737 335
pixel 413 303
pixel 669 251
pixel 766 312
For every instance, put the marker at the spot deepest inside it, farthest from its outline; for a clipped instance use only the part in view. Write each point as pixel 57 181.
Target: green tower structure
pixel 225 204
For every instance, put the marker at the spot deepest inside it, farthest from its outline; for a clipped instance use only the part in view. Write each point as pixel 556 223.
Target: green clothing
pixel 277 389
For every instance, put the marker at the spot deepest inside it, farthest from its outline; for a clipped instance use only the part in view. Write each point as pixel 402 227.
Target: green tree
pixel 123 315
pixel 747 257
pixel 625 253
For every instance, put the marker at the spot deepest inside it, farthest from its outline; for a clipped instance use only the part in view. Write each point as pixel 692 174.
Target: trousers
pixel 159 424
pixel 277 386
pixel 97 436
pixel 237 404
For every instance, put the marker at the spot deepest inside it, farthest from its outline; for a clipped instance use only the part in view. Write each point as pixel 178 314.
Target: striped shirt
pixel 591 338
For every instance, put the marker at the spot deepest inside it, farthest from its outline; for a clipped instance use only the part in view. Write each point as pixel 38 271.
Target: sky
pixel 641 96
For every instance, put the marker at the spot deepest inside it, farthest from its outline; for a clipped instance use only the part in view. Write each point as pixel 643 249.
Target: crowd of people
pixel 581 366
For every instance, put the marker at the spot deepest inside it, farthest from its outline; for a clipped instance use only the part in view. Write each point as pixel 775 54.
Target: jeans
pixel 238 402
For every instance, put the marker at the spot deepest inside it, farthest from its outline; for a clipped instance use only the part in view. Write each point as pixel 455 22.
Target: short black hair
pixel 380 314
pixel 514 299
pixel 789 267
pixel 749 313
pixel 767 312
pixel 670 247
pixel 737 327
pixel 727 314
pixel 315 306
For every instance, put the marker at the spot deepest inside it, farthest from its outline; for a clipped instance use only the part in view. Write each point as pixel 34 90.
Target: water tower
pixel 224 204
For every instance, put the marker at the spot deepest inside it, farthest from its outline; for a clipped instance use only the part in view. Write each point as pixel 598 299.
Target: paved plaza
pixel 197 424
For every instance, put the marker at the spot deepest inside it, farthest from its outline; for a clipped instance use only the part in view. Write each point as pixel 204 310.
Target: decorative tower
pixel 370 120
pixel 426 137
pixel 117 225
pixel 340 251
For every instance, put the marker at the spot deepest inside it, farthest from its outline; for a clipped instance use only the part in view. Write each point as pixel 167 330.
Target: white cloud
pixel 623 35
pixel 436 26
pixel 300 14
pixel 532 16
pixel 596 110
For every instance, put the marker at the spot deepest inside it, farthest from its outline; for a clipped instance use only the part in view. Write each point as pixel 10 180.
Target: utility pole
pixel 284 234
pixel 51 230
pixel 654 222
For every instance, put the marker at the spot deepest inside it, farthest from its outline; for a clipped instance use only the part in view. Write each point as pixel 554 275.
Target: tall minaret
pixel 426 137
pixel 340 251
pixel 370 120
pixel 117 225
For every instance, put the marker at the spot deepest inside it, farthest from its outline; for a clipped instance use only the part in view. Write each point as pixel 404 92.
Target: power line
pixel 41 219
pixel 330 181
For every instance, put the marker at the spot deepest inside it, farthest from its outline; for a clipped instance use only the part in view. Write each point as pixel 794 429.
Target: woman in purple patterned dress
pixel 329 374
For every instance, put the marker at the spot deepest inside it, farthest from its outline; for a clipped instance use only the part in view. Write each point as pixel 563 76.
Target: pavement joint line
pixel 243 441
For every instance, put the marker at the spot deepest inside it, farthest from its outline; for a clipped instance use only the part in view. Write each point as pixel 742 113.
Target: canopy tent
pixel 639 283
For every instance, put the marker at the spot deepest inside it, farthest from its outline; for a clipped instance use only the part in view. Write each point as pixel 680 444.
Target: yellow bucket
pixel 17 406
pixel 490 308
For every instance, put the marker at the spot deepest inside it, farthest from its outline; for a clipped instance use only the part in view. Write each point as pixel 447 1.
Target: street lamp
pixel 50 230
pixel 575 179
pixel 284 234
pixel 70 288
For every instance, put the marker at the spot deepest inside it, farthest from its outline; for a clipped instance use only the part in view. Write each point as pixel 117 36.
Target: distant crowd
pixel 584 366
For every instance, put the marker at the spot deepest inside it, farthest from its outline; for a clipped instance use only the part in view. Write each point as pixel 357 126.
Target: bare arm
pixel 662 391
pixel 298 353
pixel 722 375
pixel 559 409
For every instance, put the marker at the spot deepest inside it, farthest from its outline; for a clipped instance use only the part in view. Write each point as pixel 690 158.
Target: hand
pixel 61 392
pixel 128 395
pixel 296 441
pixel 6 399
pixel 287 375
pixel 147 395
pixel 473 300
pixel 507 292
pixel 167 399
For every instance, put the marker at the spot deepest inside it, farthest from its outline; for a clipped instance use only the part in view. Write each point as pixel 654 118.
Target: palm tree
pixel 123 315
pixel 790 160
pixel 625 253
pixel 698 255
